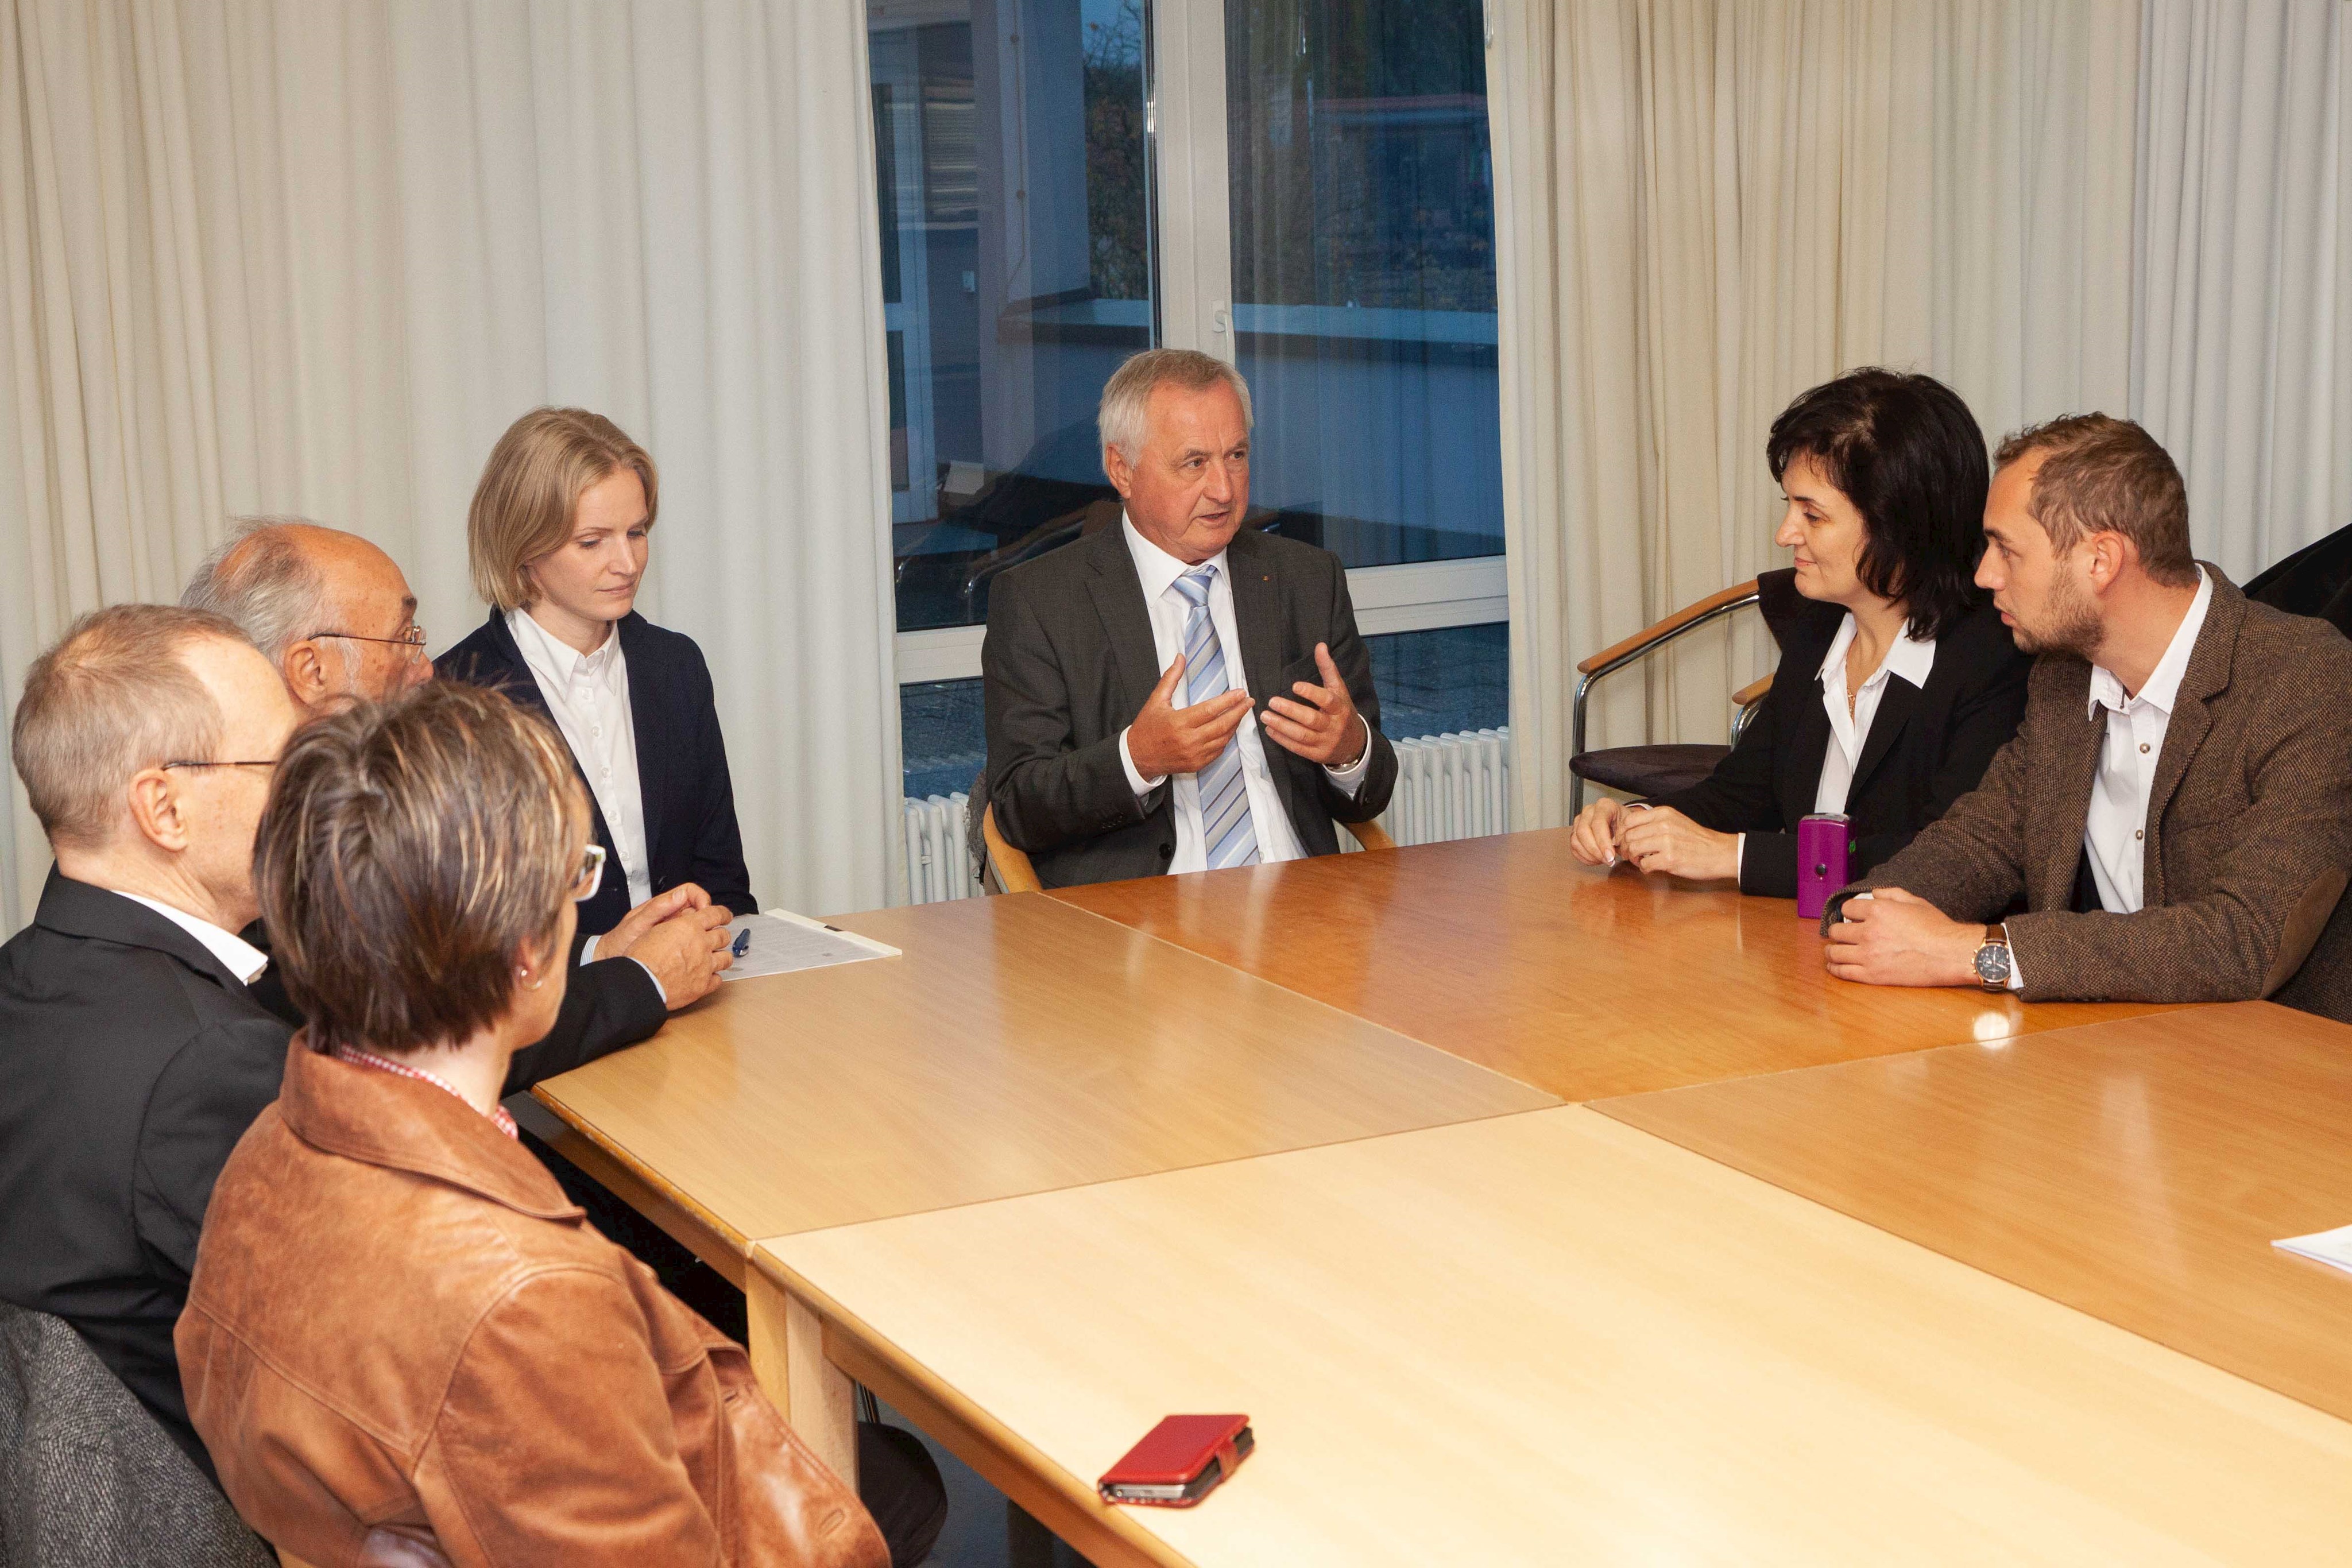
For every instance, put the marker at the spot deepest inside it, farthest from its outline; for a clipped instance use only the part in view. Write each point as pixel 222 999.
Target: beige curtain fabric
pixel 303 257
pixel 2243 358
pixel 1704 207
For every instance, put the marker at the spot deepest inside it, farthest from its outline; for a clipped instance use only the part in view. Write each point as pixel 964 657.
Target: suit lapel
pixel 1898 699
pixel 2055 815
pixel 650 730
pixel 1257 616
pixel 1118 594
pixel 2207 676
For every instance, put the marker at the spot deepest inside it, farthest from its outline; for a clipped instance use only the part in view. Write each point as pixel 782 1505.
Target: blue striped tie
pixel 1224 793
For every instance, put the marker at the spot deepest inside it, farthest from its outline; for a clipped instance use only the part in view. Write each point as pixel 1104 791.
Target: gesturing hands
pixel 1321 726
pixel 681 936
pixel 1165 738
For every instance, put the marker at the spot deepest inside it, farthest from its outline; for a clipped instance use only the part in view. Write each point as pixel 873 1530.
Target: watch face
pixel 1992 964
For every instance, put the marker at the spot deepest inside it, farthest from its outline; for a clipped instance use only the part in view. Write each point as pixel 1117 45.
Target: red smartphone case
pixel 1175 1452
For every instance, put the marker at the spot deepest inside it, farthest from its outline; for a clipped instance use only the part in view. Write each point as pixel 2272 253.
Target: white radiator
pixel 939 866
pixel 1453 786
pixel 1448 787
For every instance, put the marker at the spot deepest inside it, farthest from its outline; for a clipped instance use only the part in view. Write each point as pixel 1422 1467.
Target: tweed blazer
pixel 2248 841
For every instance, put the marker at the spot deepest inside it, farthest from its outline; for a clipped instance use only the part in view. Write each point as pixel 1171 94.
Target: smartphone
pixel 1179 1461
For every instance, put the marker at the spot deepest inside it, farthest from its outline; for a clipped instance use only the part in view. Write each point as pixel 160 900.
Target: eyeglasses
pixel 272 762
pixel 413 639
pixel 591 875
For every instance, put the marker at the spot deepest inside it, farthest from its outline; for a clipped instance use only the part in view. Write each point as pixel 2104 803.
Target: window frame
pixel 1190 218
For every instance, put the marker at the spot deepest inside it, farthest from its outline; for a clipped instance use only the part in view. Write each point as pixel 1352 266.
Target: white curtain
pixel 2242 361
pixel 313 258
pixel 1704 207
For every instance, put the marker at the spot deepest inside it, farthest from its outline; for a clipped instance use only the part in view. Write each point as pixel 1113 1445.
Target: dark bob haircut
pixel 1907 452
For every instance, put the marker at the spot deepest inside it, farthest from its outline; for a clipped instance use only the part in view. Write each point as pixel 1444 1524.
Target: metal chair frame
pixel 1639 646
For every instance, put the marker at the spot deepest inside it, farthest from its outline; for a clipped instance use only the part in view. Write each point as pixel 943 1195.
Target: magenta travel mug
pixel 1822 845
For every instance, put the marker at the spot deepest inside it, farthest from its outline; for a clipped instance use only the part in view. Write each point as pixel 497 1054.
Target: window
pixel 1301 186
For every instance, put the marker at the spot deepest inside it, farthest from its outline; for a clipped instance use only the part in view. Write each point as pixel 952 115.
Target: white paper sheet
pixel 784 943
pixel 2333 1247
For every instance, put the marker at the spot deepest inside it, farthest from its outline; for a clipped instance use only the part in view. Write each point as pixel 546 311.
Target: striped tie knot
pixel 1194 585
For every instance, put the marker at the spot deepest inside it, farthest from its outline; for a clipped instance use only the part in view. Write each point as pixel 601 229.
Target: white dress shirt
pixel 237 956
pixel 1908 659
pixel 2115 830
pixel 589 696
pixel 1276 840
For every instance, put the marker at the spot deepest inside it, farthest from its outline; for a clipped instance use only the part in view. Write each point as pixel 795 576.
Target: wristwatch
pixel 1992 959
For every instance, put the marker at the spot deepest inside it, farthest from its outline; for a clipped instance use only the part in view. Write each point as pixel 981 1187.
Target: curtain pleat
pixel 2242 360
pixel 1705 206
pixel 269 256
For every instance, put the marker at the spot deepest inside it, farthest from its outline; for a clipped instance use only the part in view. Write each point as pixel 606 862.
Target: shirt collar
pixel 1155 568
pixel 2163 684
pixel 237 956
pixel 549 655
pixel 1912 658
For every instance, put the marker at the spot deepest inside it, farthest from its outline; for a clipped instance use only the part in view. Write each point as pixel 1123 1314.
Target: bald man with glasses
pixel 336 616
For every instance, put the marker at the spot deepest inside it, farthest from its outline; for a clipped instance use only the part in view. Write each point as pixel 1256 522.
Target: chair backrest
pixel 87 1476
pixel 1009 866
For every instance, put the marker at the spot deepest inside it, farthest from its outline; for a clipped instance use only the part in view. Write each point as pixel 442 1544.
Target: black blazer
pixel 690 800
pixel 1927 747
pixel 130 1062
pixel 1069 661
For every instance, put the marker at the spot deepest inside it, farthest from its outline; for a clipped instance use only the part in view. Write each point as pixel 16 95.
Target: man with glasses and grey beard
pixel 336 617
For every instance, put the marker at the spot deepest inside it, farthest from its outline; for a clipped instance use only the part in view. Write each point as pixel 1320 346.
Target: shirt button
pixel 2143 745
pixel 2139 832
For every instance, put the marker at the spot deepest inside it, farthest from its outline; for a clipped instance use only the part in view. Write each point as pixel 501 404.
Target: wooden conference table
pixel 1074 1135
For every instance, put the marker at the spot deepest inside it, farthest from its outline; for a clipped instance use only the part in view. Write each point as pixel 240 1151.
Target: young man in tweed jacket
pixel 2173 821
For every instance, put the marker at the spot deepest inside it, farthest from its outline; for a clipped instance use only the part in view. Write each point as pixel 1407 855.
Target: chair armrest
pixel 1752 693
pixel 1014 872
pixel 1688 615
pixel 1371 836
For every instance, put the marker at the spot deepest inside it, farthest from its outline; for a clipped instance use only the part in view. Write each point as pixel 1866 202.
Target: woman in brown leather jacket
pixel 401 1343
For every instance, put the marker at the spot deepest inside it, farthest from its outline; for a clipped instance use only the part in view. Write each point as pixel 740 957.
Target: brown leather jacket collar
pixel 387 1119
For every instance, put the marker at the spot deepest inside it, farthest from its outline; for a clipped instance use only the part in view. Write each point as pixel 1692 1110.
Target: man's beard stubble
pixel 2070 622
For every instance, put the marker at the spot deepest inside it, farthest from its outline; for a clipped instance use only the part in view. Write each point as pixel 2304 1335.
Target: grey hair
pixel 1127 396
pixel 262 580
pixel 113 696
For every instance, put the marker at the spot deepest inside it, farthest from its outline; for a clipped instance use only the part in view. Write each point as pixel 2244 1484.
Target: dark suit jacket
pixel 1927 745
pixel 1069 661
pixel 690 800
pixel 130 1062
pixel 2249 830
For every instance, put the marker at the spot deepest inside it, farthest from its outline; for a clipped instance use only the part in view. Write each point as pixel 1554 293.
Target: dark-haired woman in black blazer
pixel 1897 680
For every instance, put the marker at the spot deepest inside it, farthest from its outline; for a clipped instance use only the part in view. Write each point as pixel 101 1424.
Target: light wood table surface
pixel 1507 952
pixel 1019 1045
pixel 2136 1170
pixel 1552 1338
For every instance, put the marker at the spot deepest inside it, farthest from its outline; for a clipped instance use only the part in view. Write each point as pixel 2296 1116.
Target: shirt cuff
pixel 2016 975
pixel 1135 780
pixel 588 949
pixel 1349 777
pixel 1739 857
pixel 649 968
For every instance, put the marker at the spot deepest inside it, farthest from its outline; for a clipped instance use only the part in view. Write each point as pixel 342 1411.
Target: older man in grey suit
pixel 2175 815
pixel 1180 692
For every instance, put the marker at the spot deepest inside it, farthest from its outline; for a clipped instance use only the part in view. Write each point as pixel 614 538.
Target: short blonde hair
pixel 1126 406
pixel 113 696
pixel 530 487
pixel 410 849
